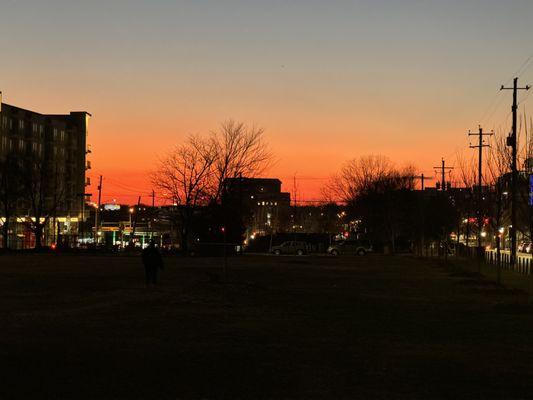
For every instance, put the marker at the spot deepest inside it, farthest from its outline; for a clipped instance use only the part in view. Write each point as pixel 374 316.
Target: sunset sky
pixel 327 80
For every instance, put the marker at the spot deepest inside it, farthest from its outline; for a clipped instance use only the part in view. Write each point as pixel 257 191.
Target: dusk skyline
pixel 327 82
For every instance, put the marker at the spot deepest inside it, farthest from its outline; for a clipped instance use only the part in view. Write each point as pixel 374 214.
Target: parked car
pixel 356 247
pixel 292 247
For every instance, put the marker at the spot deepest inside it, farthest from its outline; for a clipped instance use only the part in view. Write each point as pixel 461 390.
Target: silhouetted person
pixel 152 261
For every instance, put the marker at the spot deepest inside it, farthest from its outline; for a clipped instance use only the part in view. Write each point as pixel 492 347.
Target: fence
pixel 523 265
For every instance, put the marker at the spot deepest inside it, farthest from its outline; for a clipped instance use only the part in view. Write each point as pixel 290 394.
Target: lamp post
pixel 131 211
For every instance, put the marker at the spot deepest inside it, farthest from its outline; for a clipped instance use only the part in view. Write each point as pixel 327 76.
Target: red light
pixel 345 234
pixel 223 229
pixel 53 246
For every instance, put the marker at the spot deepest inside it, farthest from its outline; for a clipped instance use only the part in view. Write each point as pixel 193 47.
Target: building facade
pixel 42 169
pixel 265 208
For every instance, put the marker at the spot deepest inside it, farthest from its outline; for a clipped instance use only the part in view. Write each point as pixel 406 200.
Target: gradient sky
pixel 328 80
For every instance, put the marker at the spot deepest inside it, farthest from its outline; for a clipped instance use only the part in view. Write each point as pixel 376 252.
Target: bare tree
pixel 240 150
pixel 185 177
pixel 498 165
pixel 374 189
pixel 465 205
pixel 10 192
pixel 44 191
pixel 356 176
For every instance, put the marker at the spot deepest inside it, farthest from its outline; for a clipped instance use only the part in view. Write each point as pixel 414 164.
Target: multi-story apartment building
pixel 264 207
pixel 50 159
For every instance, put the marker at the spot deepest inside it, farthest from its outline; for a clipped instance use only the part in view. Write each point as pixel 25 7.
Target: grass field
pixel 85 327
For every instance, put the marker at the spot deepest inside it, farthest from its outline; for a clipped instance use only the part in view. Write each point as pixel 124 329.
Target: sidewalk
pixel 509 279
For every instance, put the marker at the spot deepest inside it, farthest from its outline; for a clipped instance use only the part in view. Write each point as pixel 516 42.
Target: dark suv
pixel 357 247
pixel 293 247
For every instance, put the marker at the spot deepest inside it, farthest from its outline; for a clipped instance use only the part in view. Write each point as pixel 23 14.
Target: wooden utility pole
pixel 422 207
pixel 443 169
pixel 422 178
pixel 512 142
pixel 152 222
pixel 479 146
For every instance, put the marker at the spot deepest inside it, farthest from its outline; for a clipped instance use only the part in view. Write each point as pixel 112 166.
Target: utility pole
pixel 422 207
pixel 512 142
pixel 422 178
pixel 97 212
pixel 135 222
pixel 153 219
pixel 443 169
pixel 479 146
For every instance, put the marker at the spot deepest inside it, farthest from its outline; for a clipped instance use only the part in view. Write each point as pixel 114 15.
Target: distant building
pixel 58 144
pixel 120 225
pixel 265 208
pixel 326 218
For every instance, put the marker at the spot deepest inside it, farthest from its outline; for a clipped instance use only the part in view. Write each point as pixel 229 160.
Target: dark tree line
pixel 391 212
pixel 31 189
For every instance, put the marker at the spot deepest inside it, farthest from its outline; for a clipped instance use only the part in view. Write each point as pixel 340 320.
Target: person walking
pixel 152 260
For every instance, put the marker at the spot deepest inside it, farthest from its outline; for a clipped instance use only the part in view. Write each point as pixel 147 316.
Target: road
pixel 283 327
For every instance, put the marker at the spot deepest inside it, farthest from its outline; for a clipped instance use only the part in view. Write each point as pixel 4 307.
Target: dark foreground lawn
pixel 284 327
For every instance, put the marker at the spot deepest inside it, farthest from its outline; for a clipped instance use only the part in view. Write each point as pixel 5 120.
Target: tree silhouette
pixel 10 192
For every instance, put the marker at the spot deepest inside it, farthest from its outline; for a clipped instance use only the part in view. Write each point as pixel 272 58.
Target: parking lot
pixel 279 327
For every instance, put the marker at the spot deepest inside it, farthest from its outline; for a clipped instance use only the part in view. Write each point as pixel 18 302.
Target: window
pixel 34 127
pixel 21 124
pixel 62 136
pixel 55 133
